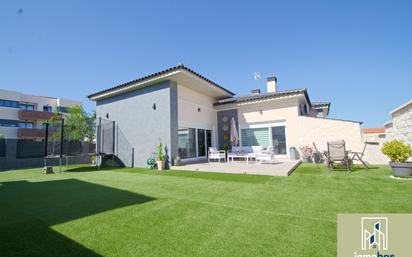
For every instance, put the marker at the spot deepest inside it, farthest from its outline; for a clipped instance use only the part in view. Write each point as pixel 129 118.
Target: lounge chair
pixel 215 154
pixel 358 156
pixel 337 153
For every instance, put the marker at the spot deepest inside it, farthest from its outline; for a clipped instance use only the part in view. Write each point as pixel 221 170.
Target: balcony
pixel 31 133
pixel 34 115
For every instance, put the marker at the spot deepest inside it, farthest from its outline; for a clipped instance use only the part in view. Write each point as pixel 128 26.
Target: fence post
pixel 98 136
pixel 46 140
pixel 132 157
pixel 62 139
pixel 114 137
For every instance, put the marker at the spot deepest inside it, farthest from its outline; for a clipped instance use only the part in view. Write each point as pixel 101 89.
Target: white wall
pixel 321 131
pixel 188 115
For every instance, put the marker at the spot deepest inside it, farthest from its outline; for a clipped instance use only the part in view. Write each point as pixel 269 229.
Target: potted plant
pixel 177 161
pixel 307 153
pixel 398 152
pixel 225 147
pixel 160 160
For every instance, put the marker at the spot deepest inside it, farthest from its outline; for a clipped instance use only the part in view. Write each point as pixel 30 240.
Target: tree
pixel 79 124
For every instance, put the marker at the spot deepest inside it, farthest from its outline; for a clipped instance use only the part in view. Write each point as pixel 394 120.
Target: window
pixel 8 103
pixel 28 107
pixel 47 108
pixel 28 125
pixel 255 136
pixel 62 109
pixel 201 142
pixel 193 142
pixel 8 123
pixel 279 139
pixel 187 142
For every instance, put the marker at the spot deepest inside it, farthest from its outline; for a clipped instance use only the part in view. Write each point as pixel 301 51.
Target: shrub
pixel 160 154
pixel 397 150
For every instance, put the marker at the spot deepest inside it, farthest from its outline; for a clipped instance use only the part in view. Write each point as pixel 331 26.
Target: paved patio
pixel 280 168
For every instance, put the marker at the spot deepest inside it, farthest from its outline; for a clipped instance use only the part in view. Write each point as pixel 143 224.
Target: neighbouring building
pixel 188 113
pixel 400 126
pixel 375 138
pixel 374 135
pixel 22 115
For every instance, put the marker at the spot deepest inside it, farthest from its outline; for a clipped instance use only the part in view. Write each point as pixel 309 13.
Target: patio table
pixel 245 156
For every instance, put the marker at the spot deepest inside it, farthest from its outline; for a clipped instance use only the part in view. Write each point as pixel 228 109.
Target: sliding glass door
pixel 193 142
pixel 187 143
pixel 279 139
pixel 201 143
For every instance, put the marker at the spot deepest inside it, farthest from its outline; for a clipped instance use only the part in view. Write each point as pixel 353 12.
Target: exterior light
pixel 154 106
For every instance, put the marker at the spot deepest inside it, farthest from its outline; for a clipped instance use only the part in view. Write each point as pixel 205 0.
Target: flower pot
pixel 401 169
pixel 160 165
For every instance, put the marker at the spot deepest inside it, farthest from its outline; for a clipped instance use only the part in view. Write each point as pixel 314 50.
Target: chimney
pixel 271 84
pixel 255 92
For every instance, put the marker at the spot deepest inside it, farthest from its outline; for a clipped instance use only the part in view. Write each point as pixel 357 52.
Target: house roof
pixel 320 104
pixel 154 75
pixel 263 96
pixel 401 107
pixel 373 130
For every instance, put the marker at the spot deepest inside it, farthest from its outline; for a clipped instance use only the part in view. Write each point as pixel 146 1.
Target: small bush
pixel 397 150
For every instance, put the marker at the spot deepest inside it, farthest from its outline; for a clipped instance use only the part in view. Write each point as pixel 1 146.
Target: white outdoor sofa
pixel 248 153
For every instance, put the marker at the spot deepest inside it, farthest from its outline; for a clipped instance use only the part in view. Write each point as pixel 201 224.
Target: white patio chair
pixel 266 156
pixel 216 154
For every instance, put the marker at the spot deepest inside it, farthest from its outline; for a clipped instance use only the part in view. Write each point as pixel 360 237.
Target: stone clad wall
pixel 402 125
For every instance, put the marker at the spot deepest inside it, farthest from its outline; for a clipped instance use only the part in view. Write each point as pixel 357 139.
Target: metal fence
pixel 29 147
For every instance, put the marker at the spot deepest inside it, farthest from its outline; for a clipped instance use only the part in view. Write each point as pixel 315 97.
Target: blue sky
pixel 355 54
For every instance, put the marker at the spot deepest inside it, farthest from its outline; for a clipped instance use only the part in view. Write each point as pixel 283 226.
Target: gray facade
pixel 145 117
pixel 221 123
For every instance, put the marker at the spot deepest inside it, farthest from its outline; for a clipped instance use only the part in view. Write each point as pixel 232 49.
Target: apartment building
pixel 22 115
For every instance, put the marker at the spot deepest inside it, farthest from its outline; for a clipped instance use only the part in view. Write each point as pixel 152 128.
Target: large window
pixel 255 136
pixel 47 108
pixel 193 142
pixel 28 107
pixel 29 125
pixel 267 135
pixel 8 103
pixel 187 142
pixel 8 123
pixel 279 139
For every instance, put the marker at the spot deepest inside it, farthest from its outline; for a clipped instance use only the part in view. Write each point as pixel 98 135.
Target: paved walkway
pixel 281 168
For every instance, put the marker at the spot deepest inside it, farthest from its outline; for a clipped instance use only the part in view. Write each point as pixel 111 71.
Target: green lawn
pixel 137 212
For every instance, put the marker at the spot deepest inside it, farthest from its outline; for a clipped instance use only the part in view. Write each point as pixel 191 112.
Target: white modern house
pixel 188 113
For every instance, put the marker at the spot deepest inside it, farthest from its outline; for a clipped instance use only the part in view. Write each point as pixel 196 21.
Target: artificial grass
pixel 139 212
